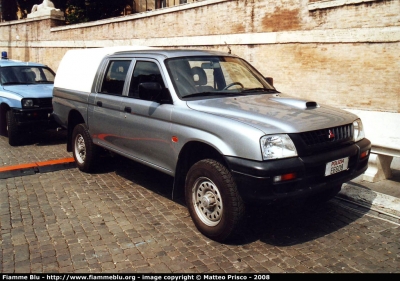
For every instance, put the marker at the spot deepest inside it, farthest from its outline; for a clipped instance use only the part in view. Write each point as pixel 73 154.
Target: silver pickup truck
pixel 210 120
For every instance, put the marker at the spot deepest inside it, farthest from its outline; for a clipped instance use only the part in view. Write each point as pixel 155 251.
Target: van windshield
pixel 215 76
pixel 26 75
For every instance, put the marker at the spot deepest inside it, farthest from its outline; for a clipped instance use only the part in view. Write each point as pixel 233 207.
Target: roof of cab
pixel 174 52
pixel 78 67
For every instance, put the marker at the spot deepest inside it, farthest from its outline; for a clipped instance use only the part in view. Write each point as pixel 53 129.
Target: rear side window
pixel 115 76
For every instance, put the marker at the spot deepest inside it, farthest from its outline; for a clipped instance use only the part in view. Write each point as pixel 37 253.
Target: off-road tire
pixel 85 152
pixel 213 200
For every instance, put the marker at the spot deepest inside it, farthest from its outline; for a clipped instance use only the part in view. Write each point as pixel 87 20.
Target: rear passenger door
pixel 106 103
pixel 145 123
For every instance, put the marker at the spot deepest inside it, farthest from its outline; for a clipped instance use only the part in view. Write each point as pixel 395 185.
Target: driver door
pixel 145 124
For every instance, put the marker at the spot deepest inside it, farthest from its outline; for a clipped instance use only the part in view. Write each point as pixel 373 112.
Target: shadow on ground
pixel 51 137
pixel 43 138
pixel 278 225
pixel 274 225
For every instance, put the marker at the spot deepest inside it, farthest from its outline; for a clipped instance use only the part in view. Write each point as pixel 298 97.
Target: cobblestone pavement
pixel 51 145
pixel 121 219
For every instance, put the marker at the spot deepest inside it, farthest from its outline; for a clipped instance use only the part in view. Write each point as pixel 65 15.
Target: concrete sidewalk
pixel 382 196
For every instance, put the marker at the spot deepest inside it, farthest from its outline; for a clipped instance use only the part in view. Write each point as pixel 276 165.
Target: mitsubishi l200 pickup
pixel 210 120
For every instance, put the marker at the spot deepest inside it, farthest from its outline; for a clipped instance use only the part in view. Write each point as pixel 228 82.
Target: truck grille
pixel 328 135
pixel 45 102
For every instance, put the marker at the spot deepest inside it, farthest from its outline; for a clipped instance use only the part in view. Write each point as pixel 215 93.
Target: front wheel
pixel 84 150
pixel 3 122
pixel 213 201
pixel 13 131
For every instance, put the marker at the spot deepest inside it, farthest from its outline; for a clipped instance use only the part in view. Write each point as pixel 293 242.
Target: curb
pixel 382 203
pixel 36 167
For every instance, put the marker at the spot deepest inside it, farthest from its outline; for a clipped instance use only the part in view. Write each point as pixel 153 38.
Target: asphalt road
pixel 121 219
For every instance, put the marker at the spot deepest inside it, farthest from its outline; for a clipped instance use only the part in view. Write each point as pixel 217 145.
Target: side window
pixel 6 75
pixel 115 76
pixel 145 71
pixel 46 75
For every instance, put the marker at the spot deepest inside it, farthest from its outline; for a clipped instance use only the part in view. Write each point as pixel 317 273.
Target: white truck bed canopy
pixel 78 67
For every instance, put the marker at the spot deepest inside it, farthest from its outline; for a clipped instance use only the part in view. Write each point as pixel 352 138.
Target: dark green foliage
pixel 76 11
pixel 9 9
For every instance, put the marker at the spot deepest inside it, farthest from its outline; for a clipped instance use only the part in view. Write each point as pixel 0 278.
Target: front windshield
pixel 214 76
pixel 26 75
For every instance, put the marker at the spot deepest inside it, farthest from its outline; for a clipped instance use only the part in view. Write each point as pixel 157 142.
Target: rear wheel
pixel 84 150
pixel 213 200
pixel 13 131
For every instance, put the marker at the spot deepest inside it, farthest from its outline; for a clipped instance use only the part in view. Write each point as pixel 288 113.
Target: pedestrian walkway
pixel 383 196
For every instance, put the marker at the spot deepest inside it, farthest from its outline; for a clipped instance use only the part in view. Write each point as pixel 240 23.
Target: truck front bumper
pixel 255 179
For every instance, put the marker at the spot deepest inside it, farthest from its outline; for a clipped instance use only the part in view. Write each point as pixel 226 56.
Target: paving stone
pixel 95 268
pixel 67 221
pixel 36 268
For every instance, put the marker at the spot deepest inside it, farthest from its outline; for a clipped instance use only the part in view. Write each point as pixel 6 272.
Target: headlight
pixel 277 146
pixel 27 103
pixel 358 130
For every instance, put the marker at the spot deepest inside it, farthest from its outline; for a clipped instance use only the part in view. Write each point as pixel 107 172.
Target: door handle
pixel 128 109
pixel 99 103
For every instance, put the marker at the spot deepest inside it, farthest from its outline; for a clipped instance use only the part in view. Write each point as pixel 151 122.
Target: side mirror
pixel 270 80
pixel 149 90
pixel 153 91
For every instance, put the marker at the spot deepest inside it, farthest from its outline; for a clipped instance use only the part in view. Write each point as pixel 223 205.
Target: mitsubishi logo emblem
pixel 331 135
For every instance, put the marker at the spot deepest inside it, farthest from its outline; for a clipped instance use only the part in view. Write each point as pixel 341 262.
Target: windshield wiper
pixel 260 90
pixel 202 94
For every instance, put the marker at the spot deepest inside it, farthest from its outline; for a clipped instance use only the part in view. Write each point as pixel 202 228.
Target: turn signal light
pixel 285 177
pixel 364 154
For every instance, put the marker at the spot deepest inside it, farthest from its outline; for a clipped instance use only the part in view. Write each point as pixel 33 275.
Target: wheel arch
pixel 74 118
pixel 191 153
pixel 3 108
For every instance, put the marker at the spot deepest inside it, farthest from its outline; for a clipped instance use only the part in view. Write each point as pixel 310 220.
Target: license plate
pixel 336 166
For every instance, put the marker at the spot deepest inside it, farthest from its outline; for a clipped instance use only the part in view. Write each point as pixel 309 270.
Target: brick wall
pixel 344 53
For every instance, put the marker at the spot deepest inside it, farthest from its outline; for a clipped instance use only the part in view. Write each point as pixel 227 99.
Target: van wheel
pixel 13 131
pixel 213 201
pixel 84 150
